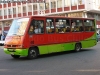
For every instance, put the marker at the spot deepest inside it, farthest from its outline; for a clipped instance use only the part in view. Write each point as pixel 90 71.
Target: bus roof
pixel 54 17
pixel 60 17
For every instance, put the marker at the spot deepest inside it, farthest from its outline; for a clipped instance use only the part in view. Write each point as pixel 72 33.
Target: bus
pixel 38 35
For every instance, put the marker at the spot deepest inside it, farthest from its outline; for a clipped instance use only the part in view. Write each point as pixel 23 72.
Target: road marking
pixel 88 70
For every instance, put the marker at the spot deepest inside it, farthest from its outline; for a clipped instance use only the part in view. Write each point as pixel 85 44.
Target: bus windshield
pixel 18 27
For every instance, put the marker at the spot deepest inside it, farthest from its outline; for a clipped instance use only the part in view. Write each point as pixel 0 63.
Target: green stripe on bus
pixel 56 48
pixel 22 52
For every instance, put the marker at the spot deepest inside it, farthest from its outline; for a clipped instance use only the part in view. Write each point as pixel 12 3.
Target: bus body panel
pixel 51 48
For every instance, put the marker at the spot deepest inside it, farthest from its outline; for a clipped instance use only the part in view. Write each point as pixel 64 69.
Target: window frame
pixel 32 22
pixel 90 25
pixel 74 20
pixel 67 19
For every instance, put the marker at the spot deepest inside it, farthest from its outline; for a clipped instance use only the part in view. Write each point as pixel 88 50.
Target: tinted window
pixel 77 26
pixel 62 25
pixel 89 25
pixel 36 27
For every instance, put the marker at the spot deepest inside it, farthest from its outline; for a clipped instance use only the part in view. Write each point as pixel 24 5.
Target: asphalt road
pixel 86 62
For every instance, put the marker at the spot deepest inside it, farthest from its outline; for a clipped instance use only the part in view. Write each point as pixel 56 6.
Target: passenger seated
pixel 81 28
pixel 91 28
pixel 86 28
pixel 56 30
pixel 68 29
pixel 50 30
pixel 37 30
pixel 31 30
pixel 61 31
pixel 76 29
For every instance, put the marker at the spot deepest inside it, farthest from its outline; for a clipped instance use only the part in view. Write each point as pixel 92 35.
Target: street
pixel 86 62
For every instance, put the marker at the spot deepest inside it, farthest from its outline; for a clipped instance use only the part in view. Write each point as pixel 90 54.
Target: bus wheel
pixel 32 53
pixel 15 56
pixel 77 47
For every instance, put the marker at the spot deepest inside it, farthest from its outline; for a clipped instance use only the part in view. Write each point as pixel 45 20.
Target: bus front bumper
pixel 21 52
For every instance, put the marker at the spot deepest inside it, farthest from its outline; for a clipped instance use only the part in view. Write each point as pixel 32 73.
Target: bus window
pixel 50 26
pixel 77 26
pixel 89 25
pixel 62 25
pixel 36 27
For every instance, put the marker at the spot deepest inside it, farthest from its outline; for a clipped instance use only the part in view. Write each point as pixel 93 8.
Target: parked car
pixel 2 37
pixel 98 37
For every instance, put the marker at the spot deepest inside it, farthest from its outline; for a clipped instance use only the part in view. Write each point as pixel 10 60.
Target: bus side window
pixel 62 25
pixel 50 26
pixel 77 26
pixel 89 25
pixel 36 27
pixel 39 27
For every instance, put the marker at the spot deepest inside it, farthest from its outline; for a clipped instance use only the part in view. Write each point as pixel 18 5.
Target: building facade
pixel 68 8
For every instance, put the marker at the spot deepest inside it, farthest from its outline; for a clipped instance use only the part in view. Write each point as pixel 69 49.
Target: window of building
pixel 0 12
pixel 80 2
pixel 19 9
pixel 89 25
pixel 41 6
pixel 24 9
pixel 5 11
pixel 14 10
pixel 47 6
pixel 53 5
pixel 36 27
pixel 35 7
pixel 62 25
pixel 74 2
pixel 59 3
pixel 29 8
pixel 77 26
pixel 50 26
pixel 9 11
pixel 66 3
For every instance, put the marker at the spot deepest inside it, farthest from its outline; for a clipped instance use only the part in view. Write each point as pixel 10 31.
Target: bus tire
pixel 77 47
pixel 15 56
pixel 32 53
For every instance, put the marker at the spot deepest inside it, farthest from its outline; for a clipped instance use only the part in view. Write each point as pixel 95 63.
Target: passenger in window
pixel 81 28
pixel 61 31
pixel 76 29
pixel 73 24
pixel 68 29
pixel 31 30
pixel 50 30
pixel 47 24
pixel 92 28
pixel 37 29
pixel 86 28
